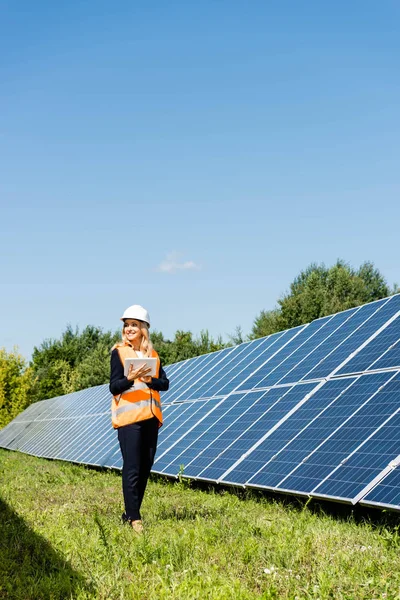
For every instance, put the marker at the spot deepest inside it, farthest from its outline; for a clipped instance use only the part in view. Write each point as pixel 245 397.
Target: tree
pixel 267 322
pixel 15 382
pixel 162 346
pixel 93 370
pixel 185 346
pixel 319 291
pixel 74 362
pixel 237 336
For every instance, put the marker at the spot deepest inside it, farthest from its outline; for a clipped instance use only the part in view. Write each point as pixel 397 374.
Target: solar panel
pixel 272 345
pixel 385 492
pixel 314 411
pixel 355 332
pixel 263 418
pixel 335 434
pixel 375 432
pixel 369 357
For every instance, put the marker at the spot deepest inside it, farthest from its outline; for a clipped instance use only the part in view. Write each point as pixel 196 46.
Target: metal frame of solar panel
pixel 312 411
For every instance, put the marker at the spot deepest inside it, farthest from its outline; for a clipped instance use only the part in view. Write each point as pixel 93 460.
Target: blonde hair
pixel 146 347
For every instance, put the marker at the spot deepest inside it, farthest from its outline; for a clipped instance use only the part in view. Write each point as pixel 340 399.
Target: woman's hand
pixel 140 373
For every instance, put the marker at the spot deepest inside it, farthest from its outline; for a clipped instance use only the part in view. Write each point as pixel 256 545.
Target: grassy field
pixel 61 538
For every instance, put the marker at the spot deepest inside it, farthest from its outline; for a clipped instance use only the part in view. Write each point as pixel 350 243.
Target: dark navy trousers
pixel 138 443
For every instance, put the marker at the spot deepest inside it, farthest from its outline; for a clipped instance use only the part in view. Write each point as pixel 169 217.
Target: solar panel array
pixel 313 411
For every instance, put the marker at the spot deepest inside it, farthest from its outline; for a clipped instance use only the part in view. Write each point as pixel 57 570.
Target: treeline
pixel 81 359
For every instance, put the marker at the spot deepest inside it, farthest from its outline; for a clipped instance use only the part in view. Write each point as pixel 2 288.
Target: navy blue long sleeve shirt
pixel 119 383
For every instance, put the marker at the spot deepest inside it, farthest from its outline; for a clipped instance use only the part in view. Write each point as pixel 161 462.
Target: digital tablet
pixel 138 362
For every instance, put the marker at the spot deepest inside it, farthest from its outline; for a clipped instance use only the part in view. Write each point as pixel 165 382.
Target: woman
pixel 136 409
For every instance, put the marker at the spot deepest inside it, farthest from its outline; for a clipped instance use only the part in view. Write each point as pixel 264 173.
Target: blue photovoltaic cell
pixel 114 462
pixel 274 344
pixel 180 415
pixel 92 442
pixel 110 447
pixel 301 433
pixel 183 418
pixel 198 437
pixel 25 442
pixel 342 323
pixel 227 370
pixel 370 409
pixel 387 492
pixel 53 418
pixel 226 381
pixel 226 448
pixel 277 403
pixel 211 455
pixel 65 434
pixel 97 443
pixel 84 435
pixel 186 373
pixel 32 412
pixel 280 373
pixel 249 407
pixel 279 357
pixel 217 372
pixel 60 408
pixel 96 458
pixel 364 465
pixel 183 391
pixel 193 417
pixel 12 432
pixel 169 410
pixel 376 314
pixel 390 359
pixel 373 456
pixel 97 401
pixel 186 422
pixel 366 358
pixel 113 459
pixel 172 370
pixel 10 436
pixel 56 407
pixel 48 438
pixel 195 365
pixel 106 443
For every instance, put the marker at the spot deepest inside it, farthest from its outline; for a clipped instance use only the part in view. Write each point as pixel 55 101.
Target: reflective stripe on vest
pixel 135 405
pixel 140 404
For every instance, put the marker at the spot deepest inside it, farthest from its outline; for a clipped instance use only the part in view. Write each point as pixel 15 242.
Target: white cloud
pixel 173 262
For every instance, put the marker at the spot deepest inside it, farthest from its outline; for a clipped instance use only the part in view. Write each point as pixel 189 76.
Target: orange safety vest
pixel 135 405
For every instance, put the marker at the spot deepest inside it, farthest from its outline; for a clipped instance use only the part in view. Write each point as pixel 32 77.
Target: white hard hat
pixel 136 312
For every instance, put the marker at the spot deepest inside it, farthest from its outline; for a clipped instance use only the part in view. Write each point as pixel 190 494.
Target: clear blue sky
pixel 192 157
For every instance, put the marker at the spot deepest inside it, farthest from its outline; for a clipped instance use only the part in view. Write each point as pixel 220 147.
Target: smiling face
pixel 133 332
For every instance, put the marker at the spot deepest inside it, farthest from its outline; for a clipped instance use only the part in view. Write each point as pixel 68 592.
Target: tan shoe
pixel 137 526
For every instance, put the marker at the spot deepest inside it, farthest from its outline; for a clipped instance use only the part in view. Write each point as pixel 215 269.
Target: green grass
pixel 61 537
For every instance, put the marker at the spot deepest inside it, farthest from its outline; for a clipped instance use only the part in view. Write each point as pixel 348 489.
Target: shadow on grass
pixel 357 513
pixel 29 567
pixel 376 517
